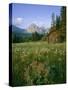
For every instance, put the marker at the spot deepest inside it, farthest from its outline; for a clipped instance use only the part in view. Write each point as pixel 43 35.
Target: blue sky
pixel 25 14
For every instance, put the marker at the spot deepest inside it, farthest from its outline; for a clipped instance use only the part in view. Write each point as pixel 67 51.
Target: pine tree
pixel 58 23
pixel 35 36
pixel 63 23
pixel 53 20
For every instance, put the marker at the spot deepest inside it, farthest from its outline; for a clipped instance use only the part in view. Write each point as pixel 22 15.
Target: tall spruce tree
pixel 63 23
pixel 53 20
pixel 58 23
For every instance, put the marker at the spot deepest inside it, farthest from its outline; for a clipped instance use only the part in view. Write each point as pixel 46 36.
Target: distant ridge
pixel 18 31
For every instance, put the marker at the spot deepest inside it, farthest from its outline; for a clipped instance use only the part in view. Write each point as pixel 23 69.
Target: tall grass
pixel 38 63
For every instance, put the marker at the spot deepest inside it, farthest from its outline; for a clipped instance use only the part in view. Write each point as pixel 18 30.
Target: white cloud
pixel 18 21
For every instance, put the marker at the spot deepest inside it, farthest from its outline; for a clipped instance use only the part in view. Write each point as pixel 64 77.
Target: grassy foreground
pixel 38 63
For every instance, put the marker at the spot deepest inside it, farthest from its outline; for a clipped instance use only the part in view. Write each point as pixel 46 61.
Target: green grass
pixel 38 63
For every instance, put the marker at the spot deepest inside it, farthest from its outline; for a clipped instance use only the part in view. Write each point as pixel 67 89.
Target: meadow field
pixel 38 63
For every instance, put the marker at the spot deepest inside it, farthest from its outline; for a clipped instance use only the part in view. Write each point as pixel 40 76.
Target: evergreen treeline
pixel 59 24
pixel 35 36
